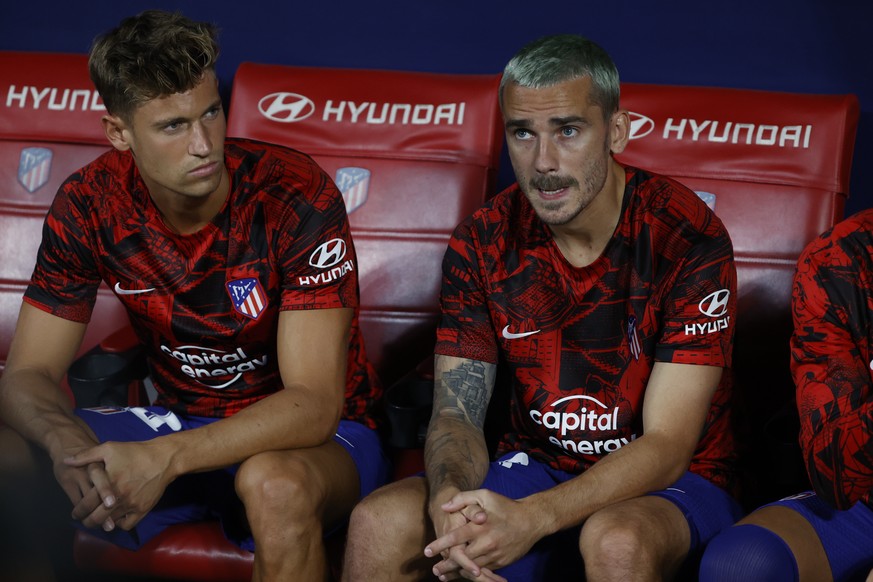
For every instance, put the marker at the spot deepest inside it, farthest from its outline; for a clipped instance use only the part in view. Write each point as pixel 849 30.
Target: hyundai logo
pixel 715 304
pixel 640 125
pixel 328 254
pixel 286 107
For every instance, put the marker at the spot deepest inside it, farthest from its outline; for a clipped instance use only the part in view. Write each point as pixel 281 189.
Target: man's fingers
pixel 86 505
pixel 83 458
pixel 461 500
pixel 101 483
pixel 129 521
pixel 99 517
pixel 475 514
pixel 441 544
pixel 458 561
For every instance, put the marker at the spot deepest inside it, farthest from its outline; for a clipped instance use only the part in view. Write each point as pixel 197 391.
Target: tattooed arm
pixel 455 454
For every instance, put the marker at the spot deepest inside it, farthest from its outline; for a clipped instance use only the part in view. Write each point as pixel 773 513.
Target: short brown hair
pixel 150 55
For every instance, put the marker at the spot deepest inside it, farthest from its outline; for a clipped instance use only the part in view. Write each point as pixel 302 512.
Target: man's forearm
pixel 647 464
pixel 456 457
pixel 455 454
pixel 288 419
pixel 35 406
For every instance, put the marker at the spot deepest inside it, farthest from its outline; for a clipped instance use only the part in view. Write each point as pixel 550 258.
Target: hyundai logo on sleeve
pixel 715 304
pixel 328 254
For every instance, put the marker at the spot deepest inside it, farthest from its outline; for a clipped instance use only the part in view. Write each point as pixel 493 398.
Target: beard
pixel 581 195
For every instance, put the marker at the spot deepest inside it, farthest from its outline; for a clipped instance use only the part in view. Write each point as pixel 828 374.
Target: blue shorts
pixel 847 536
pixel 707 508
pixel 211 495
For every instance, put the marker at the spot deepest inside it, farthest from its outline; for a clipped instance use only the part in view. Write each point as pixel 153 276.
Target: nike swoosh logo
pixel 509 335
pixel 121 291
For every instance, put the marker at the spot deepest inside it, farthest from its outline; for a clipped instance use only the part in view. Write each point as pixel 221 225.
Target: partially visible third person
pixel 826 533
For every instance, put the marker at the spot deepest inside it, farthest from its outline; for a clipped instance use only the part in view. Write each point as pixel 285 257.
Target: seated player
pixel 266 400
pixel 582 279
pixel 824 534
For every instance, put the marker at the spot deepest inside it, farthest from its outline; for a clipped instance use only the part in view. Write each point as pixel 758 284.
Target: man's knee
pixel 397 507
pixel 272 484
pixel 606 536
pixel 392 519
pixel 647 534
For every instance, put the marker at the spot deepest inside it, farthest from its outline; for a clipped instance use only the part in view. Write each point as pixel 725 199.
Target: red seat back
pixel 49 127
pixel 775 167
pixel 413 153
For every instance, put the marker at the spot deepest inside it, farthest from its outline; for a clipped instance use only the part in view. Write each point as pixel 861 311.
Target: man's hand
pixel 455 563
pixel 497 533
pixel 89 489
pixel 137 473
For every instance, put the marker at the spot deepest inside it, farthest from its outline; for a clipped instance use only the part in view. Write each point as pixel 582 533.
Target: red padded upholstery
pixel 207 555
pixel 430 143
pixel 49 127
pixel 777 166
pixel 414 154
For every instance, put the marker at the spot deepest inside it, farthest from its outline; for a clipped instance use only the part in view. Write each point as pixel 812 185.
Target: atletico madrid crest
pixel 633 340
pixel 353 183
pixel 248 296
pixel 34 167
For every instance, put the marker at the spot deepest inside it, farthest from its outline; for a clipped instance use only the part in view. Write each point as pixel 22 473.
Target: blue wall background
pixel 808 46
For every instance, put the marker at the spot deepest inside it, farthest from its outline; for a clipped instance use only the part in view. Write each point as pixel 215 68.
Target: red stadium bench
pixel 775 167
pixel 413 154
pixel 49 128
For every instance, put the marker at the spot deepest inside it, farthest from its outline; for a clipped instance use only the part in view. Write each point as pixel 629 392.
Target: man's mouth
pixel 205 169
pixel 550 188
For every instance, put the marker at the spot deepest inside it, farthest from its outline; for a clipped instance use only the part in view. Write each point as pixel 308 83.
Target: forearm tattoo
pixel 455 450
pixel 465 390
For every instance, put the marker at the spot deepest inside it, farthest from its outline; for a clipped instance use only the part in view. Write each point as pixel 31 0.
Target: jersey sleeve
pixel 65 278
pixel 832 303
pixel 316 252
pixel 700 308
pixel 465 329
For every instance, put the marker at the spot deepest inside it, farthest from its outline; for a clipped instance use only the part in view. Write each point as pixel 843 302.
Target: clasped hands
pixel 478 532
pixel 113 484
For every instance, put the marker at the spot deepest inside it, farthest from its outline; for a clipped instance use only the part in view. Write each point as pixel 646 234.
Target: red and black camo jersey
pixel 832 360
pixel 206 305
pixel 580 343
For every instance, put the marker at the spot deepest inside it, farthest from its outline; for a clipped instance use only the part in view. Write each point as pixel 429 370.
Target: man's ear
pixel 116 132
pixel 619 131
